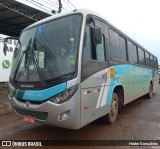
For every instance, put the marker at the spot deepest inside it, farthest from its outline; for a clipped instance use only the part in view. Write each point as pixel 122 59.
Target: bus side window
pixel 132 53
pixel 151 61
pixel 87 45
pixel 117 46
pixel 91 51
pixel 114 45
pixel 147 59
pixel 100 50
pixel 155 63
pixel 122 49
pixel 94 56
pixel 141 56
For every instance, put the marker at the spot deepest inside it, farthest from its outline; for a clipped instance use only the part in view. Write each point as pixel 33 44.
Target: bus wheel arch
pixel 120 93
pixel 150 92
pixel 112 115
pixel 117 104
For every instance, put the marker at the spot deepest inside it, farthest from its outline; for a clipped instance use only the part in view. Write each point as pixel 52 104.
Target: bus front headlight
pixel 65 95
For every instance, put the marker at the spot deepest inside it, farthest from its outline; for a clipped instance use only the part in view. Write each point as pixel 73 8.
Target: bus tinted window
pixel 132 53
pixel 87 45
pixel 114 45
pixel 100 50
pixel 91 51
pixel 117 46
pixel 147 59
pixel 151 61
pixel 155 62
pixel 122 48
pixel 141 56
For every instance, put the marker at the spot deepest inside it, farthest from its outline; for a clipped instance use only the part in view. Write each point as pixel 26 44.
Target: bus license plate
pixel 29 119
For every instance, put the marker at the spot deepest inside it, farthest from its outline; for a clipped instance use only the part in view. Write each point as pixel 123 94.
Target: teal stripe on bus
pixel 126 75
pixel 40 95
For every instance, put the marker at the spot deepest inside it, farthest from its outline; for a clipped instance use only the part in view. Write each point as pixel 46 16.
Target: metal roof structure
pixel 15 16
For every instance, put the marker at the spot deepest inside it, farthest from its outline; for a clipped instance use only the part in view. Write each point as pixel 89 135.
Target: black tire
pixel 121 102
pixel 150 93
pixel 112 116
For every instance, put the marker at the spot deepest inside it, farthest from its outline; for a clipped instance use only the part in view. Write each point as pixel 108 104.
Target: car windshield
pixel 47 51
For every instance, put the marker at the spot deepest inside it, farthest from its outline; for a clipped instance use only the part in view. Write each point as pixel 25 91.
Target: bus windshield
pixel 47 51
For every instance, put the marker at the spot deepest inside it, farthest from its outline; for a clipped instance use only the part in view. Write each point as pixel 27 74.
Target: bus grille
pixel 35 114
pixel 32 102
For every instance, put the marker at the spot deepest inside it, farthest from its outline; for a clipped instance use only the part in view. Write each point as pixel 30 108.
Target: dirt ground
pixel 139 120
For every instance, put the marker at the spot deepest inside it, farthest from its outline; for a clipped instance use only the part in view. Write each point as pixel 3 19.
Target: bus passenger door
pixel 92 90
pixel 94 75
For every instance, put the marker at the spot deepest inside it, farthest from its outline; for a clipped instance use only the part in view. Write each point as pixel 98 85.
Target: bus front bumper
pixel 65 115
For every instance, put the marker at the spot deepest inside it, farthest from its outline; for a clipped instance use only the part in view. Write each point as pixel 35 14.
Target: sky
pixel 139 19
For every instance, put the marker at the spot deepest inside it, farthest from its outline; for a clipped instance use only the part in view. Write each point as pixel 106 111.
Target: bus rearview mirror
pixel 97 36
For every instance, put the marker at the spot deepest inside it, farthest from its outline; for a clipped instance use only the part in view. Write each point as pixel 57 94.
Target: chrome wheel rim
pixel 114 108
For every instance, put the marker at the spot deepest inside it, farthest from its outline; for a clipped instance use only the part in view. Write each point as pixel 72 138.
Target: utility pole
pixel 60 6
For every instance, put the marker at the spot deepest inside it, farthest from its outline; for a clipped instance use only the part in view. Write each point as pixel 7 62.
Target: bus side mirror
pixel 5 48
pixel 97 36
pixel 96 31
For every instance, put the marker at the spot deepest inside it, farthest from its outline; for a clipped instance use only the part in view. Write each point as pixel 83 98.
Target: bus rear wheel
pixel 112 116
pixel 150 93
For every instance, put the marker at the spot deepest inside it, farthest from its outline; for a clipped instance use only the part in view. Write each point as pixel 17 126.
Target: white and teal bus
pixel 73 68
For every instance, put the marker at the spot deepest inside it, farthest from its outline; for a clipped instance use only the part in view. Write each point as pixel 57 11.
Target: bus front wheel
pixel 112 115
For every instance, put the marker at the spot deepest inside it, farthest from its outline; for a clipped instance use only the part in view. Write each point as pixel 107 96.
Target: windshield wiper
pixel 29 51
pixel 21 58
pixel 19 63
pixel 33 56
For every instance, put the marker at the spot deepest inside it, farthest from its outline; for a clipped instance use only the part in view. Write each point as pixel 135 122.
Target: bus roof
pixel 86 12
pixel 82 11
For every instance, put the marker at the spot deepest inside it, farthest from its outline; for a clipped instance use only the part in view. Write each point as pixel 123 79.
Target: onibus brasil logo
pixel 6 64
